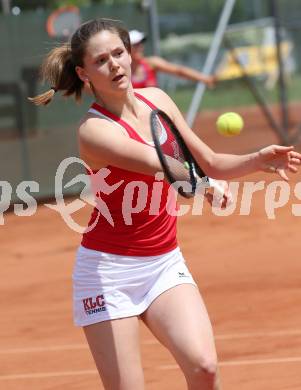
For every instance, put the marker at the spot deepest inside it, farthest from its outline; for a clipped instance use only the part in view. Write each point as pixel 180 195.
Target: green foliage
pixel 62 3
pixel 233 94
pixel 26 5
pixel 177 44
pixel 52 4
pixel 209 10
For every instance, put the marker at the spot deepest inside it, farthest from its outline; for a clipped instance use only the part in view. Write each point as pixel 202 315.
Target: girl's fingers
pixel 209 198
pixel 283 149
pixel 282 174
pixel 271 169
pixel 294 160
pixel 292 168
pixel 295 155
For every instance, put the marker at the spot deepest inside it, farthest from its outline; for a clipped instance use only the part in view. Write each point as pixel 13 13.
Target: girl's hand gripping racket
pixel 178 164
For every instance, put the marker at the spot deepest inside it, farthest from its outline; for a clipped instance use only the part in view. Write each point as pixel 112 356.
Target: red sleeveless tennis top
pixel 135 213
pixel 146 77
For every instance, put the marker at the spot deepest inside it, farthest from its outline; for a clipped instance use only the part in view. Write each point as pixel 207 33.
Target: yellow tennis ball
pixel 229 124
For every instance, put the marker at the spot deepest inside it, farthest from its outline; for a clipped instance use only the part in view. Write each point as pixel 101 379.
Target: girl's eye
pixel 101 60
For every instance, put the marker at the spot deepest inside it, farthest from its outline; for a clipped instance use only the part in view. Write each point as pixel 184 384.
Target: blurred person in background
pixel 144 69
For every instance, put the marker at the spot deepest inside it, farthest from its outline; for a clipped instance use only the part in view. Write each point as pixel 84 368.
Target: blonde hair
pixel 58 68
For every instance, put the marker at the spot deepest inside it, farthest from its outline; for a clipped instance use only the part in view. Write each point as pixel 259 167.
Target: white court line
pixel 241 362
pixel 162 368
pixel 260 361
pixel 53 348
pixel 251 335
pixel 47 375
pixel 69 347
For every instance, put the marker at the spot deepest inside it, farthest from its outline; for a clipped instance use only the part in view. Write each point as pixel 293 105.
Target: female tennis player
pixel 135 269
pixel 145 69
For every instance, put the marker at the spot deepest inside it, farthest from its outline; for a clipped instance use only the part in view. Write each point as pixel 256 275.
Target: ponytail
pixel 44 98
pixel 58 70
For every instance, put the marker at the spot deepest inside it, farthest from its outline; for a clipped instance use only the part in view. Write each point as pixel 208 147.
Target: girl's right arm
pixel 101 143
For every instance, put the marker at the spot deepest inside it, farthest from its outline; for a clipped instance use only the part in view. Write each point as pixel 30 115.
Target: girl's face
pixel 106 64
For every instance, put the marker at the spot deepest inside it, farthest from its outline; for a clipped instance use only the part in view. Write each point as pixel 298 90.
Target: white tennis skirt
pixel 107 286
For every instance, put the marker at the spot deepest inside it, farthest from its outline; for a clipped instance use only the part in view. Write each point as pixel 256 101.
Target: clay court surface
pixel 248 269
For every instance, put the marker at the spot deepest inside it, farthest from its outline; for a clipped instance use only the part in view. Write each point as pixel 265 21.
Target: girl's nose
pixel 113 64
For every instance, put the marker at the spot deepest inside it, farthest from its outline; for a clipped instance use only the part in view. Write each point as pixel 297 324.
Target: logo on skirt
pixel 94 305
pixel 182 275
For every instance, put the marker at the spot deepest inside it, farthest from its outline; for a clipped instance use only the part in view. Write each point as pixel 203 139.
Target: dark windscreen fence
pixel 35 140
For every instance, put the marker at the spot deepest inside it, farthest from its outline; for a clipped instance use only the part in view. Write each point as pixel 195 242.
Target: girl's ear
pixel 81 73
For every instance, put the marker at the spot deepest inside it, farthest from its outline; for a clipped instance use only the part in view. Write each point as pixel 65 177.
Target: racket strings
pixel 175 159
pixel 171 147
pixel 157 126
pixel 178 164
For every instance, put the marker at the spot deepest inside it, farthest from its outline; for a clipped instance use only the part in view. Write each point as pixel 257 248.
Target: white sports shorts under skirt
pixel 107 286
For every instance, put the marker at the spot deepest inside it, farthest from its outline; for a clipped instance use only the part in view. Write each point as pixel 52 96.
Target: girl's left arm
pixel 274 158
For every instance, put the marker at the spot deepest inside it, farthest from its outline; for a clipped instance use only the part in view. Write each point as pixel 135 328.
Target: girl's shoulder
pixel 155 95
pixel 94 125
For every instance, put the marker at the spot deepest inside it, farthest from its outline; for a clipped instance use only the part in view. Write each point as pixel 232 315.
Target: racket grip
pixel 219 190
pixel 220 193
pixel 209 183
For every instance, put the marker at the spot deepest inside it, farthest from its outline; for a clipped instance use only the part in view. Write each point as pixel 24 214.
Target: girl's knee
pixel 206 367
pixel 203 371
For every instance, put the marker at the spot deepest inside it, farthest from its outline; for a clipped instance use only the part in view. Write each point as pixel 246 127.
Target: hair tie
pixel 55 89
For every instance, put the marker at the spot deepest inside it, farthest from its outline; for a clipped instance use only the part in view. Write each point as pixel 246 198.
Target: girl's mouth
pixel 117 78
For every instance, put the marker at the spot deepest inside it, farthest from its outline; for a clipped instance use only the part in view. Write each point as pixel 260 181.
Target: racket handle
pixel 219 190
pixel 208 182
pixel 215 188
pixel 220 193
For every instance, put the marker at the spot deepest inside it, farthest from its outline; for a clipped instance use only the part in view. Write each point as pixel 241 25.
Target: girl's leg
pixel 116 352
pixel 179 319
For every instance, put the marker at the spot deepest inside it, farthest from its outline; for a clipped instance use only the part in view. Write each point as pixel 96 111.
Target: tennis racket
pixel 178 164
